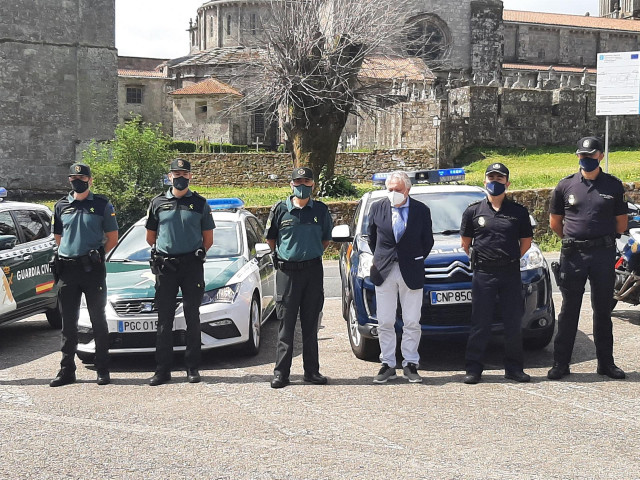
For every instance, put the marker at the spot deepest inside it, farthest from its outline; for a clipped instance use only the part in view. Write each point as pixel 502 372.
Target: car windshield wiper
pixel 447 232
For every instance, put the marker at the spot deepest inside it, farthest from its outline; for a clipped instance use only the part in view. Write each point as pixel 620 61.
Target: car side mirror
pixel 341 233
pixel 533 222
pixel 7 242
pixel 262 249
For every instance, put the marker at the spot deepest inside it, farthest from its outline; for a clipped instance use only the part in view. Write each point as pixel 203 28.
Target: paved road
pixel 234 426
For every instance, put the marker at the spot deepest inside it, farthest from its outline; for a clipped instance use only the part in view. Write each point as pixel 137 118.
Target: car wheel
pixel 363 348
pixel 252 346
pixel 86 357
pixel 54 317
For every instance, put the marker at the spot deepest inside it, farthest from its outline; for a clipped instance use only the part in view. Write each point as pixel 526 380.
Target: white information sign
pixel 618 84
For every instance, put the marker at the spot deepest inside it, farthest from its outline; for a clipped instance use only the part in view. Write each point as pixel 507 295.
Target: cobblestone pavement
pixel 234 426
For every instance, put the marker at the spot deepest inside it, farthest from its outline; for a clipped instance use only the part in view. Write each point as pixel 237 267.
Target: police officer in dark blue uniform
pixel 180 225
pixel 496 232
pixel 85 228
pixel 298 230
pixel 587 210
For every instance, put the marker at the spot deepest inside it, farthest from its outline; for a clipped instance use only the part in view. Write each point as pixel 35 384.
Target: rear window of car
pixel 7 226
pixel 134 248
pixel 446 209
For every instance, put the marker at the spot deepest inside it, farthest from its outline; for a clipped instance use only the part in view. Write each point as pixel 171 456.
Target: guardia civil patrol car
pixel 446 309
pixel 26 247
pixel 239 289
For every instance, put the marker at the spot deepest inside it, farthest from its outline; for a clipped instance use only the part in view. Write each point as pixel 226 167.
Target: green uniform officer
pixel 85 228
pixel 180 225
pixel 299 229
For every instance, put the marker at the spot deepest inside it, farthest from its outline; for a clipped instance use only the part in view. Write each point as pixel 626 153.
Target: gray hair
pixel 398 175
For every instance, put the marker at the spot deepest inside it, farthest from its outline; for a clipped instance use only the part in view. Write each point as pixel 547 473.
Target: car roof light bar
pixel 3 193
pixel 443 175
pixel 225 203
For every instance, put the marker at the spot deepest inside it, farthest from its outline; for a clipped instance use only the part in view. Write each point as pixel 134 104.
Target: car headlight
pixel 532 259
pixel 225 294
pixel 364 265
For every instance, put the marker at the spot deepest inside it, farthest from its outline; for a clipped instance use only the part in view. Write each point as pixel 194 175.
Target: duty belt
pixel 495 264
pixel 282 265
pixel 606 241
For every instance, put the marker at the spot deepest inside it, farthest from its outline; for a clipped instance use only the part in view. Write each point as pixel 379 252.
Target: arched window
pixel 228 24
pixel 428 37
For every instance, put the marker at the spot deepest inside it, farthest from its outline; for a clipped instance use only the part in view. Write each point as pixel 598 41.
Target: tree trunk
pixel 315 138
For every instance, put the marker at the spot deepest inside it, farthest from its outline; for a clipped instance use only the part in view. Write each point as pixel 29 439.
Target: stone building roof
pixel 388 68
pixel 222 56
pixel 122 72
pixel 210 86
pixel 557 19
pixel 556 68
pixel 140 63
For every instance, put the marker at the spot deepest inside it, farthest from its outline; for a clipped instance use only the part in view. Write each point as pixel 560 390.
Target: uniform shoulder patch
pixel 100 196
pixel 276 205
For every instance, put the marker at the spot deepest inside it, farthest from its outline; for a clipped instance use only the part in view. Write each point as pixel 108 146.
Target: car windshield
pixel 134 247
pixel 446 209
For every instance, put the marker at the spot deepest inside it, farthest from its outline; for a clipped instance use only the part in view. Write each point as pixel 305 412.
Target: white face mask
pixel 396 198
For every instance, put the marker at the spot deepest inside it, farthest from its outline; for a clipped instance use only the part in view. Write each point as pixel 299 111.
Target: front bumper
pixel 221 325
pixel 455 320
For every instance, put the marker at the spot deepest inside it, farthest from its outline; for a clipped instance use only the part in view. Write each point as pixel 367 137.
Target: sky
pixel 157 28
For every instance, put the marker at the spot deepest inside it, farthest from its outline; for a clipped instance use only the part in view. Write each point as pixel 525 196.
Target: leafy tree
pixel 129 169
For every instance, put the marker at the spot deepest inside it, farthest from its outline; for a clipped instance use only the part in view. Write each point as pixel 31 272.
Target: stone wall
pixel 511 117
pixel 487 37
pixel 156 106
pixel 58 86
pixel 272 169
pixel 536 201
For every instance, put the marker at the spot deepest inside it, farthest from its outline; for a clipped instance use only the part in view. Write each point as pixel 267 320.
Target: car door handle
pixel 27 257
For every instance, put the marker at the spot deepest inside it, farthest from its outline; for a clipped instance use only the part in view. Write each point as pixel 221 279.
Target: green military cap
pixel 180 164
pixel 80 169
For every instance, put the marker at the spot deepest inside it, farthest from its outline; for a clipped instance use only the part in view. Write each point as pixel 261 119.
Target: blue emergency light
pixel 426 176
pixel 225 203
pixel 3 193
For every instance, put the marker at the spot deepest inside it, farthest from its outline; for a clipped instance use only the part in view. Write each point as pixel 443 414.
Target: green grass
pixel 544 167
pixel 265 196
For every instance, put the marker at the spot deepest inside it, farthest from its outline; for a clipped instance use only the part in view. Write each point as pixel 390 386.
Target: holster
pixel 555 268
pixel 160 265
pixel 275 259
pixel 472 258
pixel 55 265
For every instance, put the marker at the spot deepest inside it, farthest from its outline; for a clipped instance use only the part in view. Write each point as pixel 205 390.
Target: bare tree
pixel 320 60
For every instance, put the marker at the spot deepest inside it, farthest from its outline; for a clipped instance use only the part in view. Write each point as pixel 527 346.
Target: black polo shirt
pixel 496 234
pixel 589 207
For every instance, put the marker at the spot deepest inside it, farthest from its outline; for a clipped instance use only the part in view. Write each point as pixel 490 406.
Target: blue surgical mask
pixel 180 183
pixel 589 164
pixel 496 188
pixel 302 191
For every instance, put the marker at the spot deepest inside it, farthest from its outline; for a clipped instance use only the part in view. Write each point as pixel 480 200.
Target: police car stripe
pixel 244 272
pixel 30 249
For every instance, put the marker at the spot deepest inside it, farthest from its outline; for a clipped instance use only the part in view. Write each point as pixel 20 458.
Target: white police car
pixel 239 289
pixel 446 309
pixel 26 247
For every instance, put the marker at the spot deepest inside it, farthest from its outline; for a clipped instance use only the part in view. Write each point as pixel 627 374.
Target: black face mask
pixel 79 186
pixel 180 183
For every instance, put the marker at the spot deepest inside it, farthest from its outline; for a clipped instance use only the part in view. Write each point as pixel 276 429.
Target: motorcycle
pixel 627 285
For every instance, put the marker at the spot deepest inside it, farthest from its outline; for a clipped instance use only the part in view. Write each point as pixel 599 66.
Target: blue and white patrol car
pixel 26 247
pixel 446 309
pixel 239 289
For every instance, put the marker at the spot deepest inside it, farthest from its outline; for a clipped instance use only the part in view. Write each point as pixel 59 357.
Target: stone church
pixel 480 45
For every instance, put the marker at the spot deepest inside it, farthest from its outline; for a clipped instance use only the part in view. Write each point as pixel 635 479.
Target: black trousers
pixel 596 264
pixel 504 290
pixel 299 291
pixel 74 281
pixel 188 277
